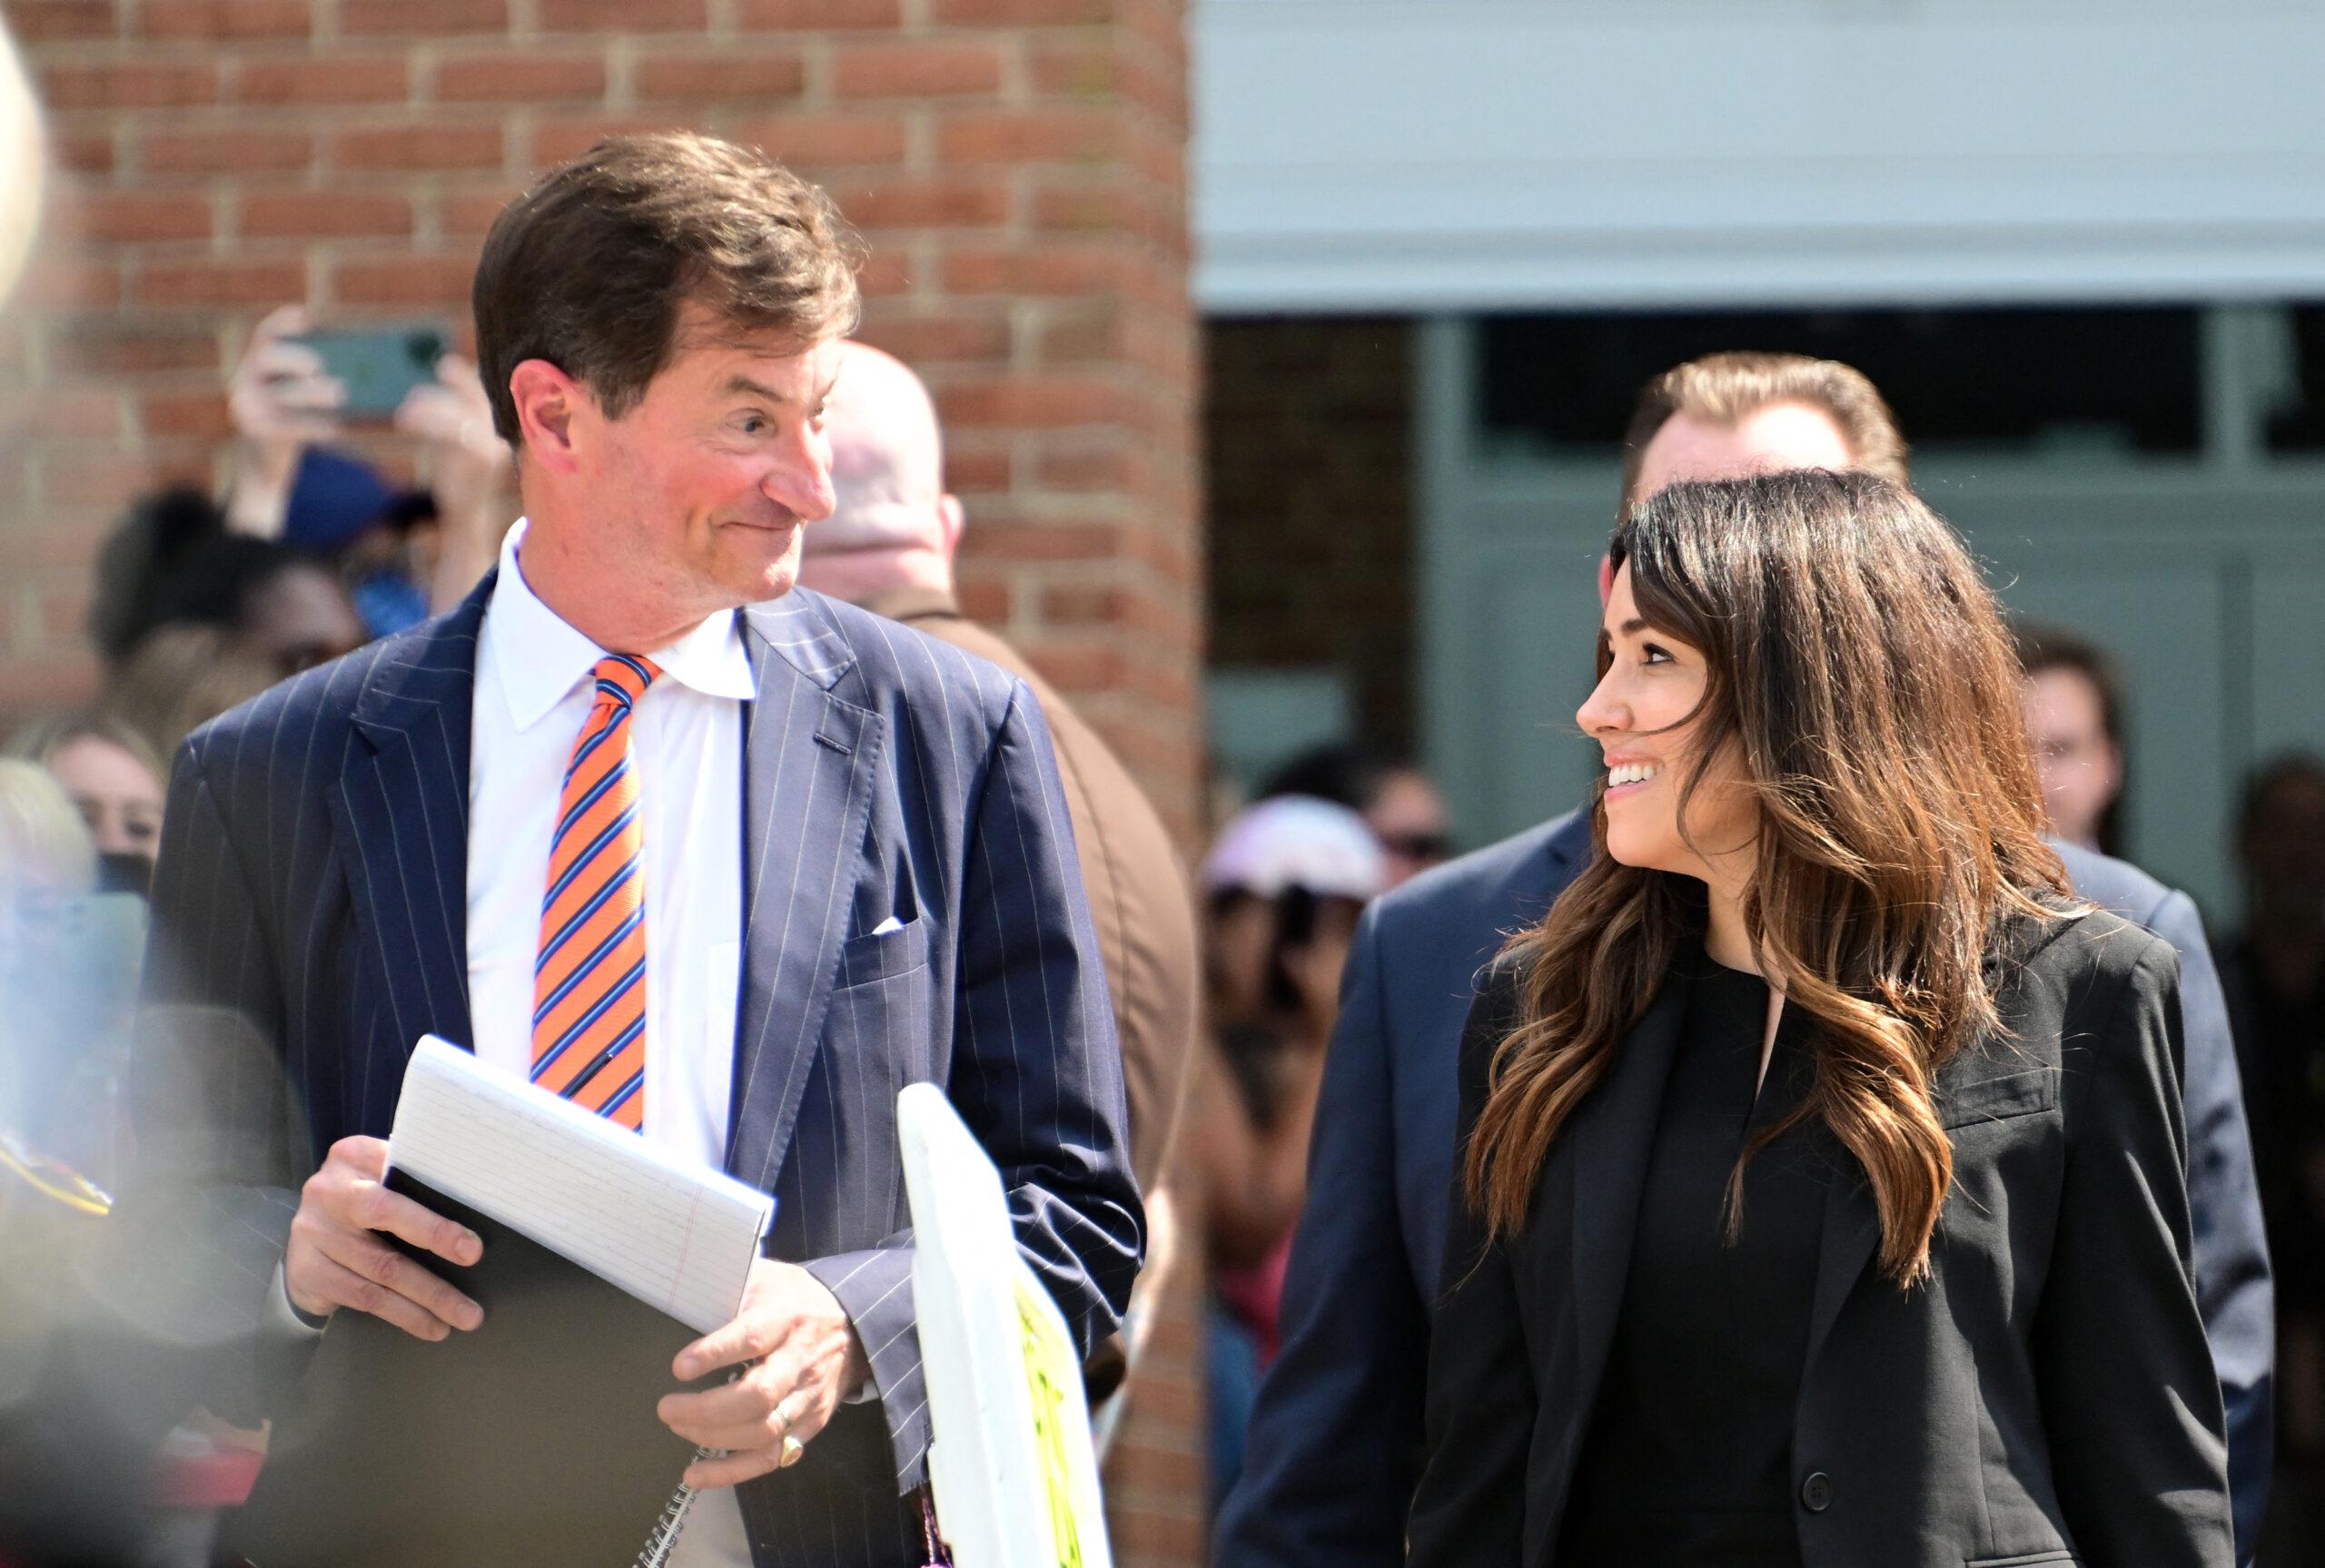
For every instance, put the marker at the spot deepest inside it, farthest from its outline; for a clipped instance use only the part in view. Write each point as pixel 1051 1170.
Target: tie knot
pixel 623 679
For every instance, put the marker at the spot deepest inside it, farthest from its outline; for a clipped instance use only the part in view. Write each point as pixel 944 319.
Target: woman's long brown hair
pixel 1860 673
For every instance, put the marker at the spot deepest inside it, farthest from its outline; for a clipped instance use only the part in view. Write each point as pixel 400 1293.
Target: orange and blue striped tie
pixel 589 980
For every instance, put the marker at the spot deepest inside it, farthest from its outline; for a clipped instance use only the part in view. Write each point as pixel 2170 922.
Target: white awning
pixel 1454 155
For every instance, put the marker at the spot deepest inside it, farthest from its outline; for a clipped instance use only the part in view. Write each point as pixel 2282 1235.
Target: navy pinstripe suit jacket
pixel 312 896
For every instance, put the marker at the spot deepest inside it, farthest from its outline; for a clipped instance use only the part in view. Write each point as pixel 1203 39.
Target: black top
pixel 1688 1459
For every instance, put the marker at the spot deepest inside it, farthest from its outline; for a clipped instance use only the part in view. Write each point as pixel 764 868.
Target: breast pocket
pixel 884 954
pixel 1997 1096
pixel 880 1019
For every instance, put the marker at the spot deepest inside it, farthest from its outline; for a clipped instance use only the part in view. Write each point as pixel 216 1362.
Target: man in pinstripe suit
pixel 842 849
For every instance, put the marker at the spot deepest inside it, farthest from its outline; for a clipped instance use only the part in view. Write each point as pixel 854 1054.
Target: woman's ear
pixel 547 400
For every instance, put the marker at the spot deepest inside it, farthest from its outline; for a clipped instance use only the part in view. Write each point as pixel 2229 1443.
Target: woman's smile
pixel 1626 776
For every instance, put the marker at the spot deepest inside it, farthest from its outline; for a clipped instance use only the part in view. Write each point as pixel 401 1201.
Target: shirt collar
pixel 539 657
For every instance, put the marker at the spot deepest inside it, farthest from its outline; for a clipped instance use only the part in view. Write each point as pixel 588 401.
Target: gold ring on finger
pixel 792 1449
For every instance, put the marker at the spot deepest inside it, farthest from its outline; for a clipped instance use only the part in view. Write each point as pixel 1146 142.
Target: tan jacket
pixel 1138 895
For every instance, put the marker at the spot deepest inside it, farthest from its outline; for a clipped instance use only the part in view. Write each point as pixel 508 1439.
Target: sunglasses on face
pixel 1417 845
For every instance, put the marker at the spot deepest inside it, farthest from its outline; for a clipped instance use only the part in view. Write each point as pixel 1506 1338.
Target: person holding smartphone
pixel 1822 1191
pixel 288 409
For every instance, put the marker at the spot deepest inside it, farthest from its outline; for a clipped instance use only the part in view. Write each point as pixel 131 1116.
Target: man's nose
pixel 805 487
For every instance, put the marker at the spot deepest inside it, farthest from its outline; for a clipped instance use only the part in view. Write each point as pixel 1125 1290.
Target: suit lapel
pixel 400 812
pixel 1614 1135
pixel 808 761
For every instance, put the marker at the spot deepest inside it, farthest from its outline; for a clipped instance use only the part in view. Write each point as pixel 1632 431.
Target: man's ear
pixel 547 400
pixel 953 519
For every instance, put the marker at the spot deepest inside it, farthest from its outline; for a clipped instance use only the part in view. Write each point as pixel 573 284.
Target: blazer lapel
pixel 1614 1134
pixel 808 761
pixel 1852 1231
pixel 400 812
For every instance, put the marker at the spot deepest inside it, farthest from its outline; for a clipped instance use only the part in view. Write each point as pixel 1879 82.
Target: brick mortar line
pixel 621 55
pixel 818 71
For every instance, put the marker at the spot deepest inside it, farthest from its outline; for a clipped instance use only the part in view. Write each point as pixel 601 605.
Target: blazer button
pixel 1816 1492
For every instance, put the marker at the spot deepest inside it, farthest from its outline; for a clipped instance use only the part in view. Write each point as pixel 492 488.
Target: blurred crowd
pixel 202 602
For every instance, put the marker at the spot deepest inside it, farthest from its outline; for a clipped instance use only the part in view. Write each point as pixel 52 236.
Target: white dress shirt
pixel 685 736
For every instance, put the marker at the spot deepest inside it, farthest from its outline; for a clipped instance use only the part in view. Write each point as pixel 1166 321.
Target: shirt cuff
pixel 284 1315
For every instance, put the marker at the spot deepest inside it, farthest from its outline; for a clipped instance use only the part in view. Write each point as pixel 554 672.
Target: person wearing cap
pixel 1284 884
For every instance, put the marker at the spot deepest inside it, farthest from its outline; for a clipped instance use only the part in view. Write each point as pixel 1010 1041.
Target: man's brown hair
pixel 590 268
pixel 1723 389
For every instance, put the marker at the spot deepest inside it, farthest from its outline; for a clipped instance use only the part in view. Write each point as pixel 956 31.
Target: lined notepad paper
pixel 677 1236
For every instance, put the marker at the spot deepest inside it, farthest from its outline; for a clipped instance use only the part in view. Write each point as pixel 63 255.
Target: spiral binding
pixel 664 1537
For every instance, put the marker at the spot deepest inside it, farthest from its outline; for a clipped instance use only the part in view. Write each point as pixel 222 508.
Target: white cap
pixel 1296 841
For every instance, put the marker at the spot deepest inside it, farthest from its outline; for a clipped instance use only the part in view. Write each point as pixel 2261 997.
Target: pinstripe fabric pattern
pixel 589 981
pixel 310 891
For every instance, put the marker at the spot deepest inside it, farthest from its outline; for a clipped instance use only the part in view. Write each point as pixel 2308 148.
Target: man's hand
pixel 804 1360
pixel 335 1260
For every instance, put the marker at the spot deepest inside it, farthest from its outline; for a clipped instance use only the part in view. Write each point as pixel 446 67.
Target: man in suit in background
pixel 1335 1438
pixel 888 546
pixel 732 876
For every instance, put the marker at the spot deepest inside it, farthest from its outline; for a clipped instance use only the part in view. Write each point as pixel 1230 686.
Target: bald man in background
pixel 889 549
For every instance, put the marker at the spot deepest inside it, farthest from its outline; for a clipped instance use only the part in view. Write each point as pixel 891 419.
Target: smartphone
pixel 380 366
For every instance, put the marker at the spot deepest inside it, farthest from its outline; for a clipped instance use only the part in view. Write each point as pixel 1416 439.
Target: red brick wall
pixel 1308 440
pixel 1018 167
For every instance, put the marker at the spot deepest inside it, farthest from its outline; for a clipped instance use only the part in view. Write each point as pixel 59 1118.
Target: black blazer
pixel 2046 1399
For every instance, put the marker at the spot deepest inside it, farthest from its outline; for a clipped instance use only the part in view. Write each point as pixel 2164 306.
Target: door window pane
pixel 2040 380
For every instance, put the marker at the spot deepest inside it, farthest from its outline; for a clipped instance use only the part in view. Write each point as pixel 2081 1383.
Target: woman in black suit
pixel 1822 1198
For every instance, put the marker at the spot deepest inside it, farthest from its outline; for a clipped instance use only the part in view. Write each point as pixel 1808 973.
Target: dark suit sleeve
pixel 2231 1254
pixel 1333 1450
pixel 1470 1508
pixel 1035 1075
pixel 2129 1402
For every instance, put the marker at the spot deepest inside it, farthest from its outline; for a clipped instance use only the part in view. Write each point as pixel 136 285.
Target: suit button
pixel 1816 1492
